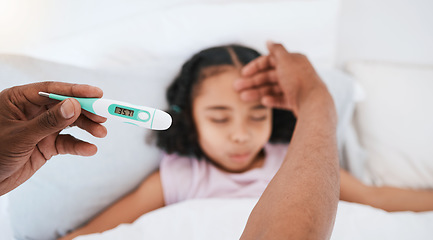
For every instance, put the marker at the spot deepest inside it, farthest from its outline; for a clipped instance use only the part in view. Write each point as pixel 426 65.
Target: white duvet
pixel 226 219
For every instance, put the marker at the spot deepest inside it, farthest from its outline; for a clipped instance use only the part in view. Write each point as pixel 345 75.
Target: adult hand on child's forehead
pixel 279 80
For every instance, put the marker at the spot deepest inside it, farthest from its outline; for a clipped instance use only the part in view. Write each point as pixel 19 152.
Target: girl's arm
pixel 387 198
pixel 147 197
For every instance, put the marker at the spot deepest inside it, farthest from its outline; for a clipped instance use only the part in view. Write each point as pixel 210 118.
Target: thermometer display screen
pixel 124 111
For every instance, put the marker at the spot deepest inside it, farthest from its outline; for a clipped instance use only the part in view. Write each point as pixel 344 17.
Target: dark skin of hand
pixel 31 125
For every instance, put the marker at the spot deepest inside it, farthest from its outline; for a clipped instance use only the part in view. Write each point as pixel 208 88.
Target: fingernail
pixel 67 109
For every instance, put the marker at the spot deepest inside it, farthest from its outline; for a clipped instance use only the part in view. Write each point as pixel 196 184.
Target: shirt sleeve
pixel 176 177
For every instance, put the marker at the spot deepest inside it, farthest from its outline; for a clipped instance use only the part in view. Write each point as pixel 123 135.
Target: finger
pixel 272 61
pixel 90 126
pixel 250 95
pixel 255 81
pixel 259 64
pixel 275 102
pixel 269 44
pixel 271 90
pixel 242 84
pixel 94 117
pixel 255 94
pixel 53 120
pixel 277 51
pixel 31 91
pixel 67 144
pixel 47 147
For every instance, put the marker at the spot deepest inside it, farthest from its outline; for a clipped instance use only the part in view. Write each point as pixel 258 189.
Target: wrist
pixel 316 93
pixel 317 102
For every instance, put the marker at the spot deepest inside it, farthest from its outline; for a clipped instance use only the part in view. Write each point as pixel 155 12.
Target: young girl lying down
pixel 222 146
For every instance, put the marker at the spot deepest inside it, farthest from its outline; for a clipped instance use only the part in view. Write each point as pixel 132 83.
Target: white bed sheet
pixel 5 226
pixel 226 219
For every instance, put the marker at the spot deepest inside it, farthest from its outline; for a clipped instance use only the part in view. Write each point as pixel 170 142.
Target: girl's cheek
pixel 213 130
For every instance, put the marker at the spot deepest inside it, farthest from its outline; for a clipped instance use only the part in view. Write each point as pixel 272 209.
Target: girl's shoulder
pixel 177 160
pixel 175 174
pixel 179 175
pixel 183 164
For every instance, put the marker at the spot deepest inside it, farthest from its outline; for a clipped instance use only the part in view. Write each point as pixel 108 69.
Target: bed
pixel 121 57
pixel 226 218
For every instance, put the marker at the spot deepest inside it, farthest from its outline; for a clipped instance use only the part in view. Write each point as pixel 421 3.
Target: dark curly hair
pixel 182 138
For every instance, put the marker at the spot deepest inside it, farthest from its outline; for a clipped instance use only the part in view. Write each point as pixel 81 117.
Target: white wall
pixel 27 24
pixel 387 30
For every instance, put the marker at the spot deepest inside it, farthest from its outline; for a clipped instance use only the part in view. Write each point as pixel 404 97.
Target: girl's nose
pixel 240 134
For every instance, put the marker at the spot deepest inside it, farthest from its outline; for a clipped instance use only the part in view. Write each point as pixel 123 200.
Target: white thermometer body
pixel 138 115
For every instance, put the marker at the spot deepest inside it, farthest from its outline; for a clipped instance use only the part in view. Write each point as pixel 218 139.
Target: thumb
pixel 55 119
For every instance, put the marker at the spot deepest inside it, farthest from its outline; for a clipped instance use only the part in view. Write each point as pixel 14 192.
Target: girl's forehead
pixel 218 89
pixel 218 84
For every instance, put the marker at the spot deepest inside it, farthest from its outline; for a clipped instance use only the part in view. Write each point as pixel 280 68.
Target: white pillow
pixel 342 89
pixel 396 122
pixel 173 34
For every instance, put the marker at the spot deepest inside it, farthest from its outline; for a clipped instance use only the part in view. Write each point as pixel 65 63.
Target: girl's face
pixel 231 132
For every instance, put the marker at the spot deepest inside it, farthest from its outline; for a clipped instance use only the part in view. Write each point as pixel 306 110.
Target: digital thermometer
pixel 138 115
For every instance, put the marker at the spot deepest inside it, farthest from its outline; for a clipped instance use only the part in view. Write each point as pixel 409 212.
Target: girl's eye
pixel 219 120
pixel 259 118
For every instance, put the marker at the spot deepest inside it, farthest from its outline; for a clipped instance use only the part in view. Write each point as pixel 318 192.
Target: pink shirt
pixel 186 177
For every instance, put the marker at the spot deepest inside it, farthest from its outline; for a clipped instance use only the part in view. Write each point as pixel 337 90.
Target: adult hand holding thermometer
pixel 142 116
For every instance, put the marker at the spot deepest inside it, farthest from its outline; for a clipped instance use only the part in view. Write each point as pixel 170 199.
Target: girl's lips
pixel 240 157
